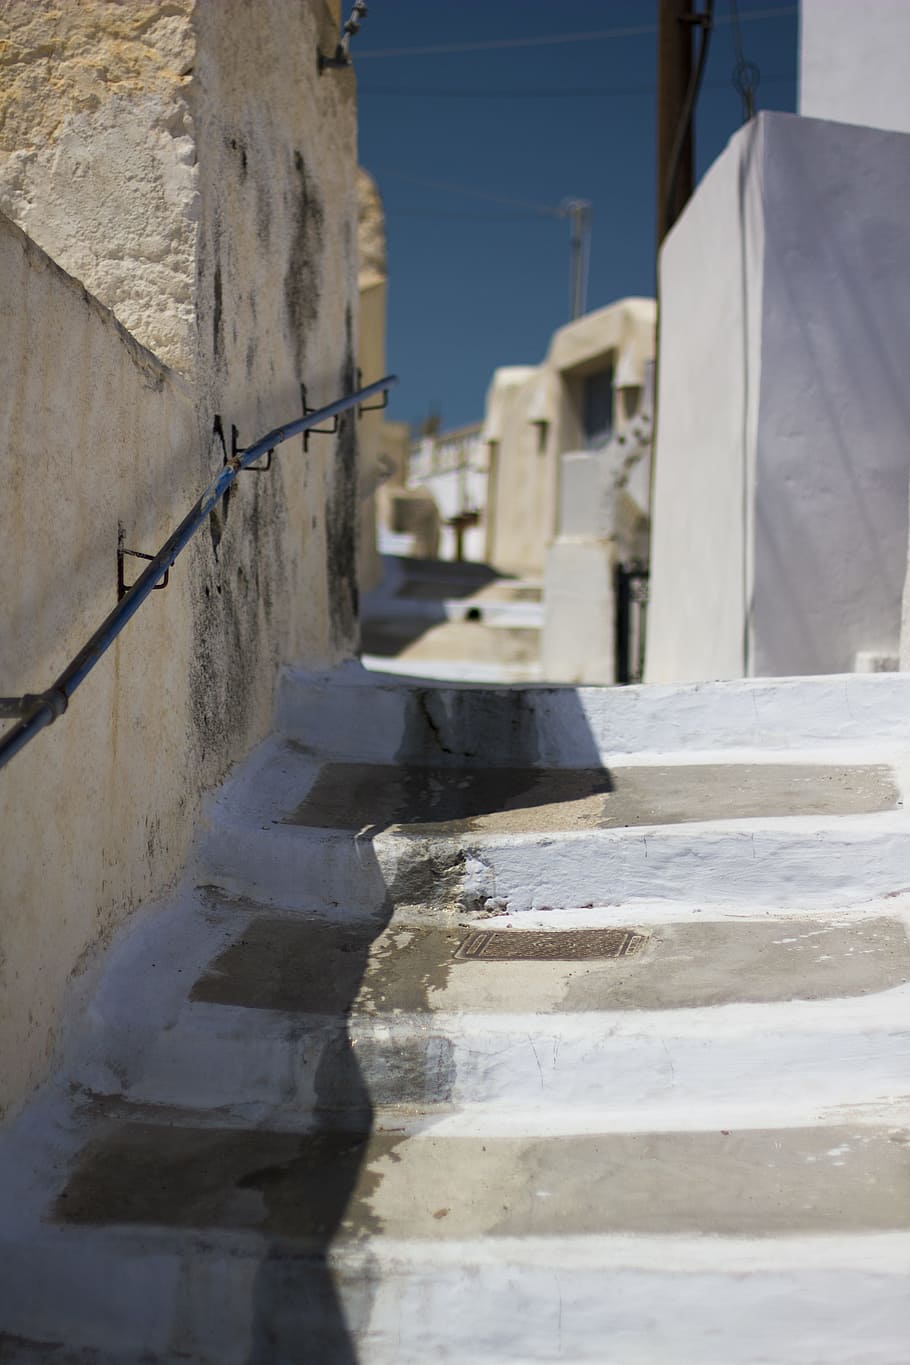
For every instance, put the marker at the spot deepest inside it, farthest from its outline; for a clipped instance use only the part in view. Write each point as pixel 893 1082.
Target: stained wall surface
pixel 97 433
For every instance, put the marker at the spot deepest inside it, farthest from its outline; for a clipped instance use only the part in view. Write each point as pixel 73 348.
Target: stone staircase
pixel 498 1025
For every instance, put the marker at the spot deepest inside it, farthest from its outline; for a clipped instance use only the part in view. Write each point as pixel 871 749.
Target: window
pixel 597 408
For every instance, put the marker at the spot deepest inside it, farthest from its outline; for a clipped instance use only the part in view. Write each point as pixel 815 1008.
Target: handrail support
pixel 315 431
pixel 237 451
pixel 122 586
pixel 372 407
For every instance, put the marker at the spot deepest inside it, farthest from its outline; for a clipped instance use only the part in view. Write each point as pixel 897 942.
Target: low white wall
pixel 853 62
pixel 780 525
pixel 833 452
pixel 451 490
pixel 708 373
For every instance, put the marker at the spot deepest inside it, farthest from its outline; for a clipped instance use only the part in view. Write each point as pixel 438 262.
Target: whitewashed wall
pixel 708 376
pixel 452 468
pixel 853 62
pixel 780 527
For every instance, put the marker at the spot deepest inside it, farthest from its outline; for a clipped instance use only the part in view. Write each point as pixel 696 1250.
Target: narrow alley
pixel 454 730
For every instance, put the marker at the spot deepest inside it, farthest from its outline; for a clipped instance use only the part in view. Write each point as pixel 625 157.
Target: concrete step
pixel 523 1071
pixel 277 1017
pixel 228 1299
pixel 231 1244
pixel 311 965
pixel 395 1108
pixel 357 714
pixel 308 833
pixel 344 1185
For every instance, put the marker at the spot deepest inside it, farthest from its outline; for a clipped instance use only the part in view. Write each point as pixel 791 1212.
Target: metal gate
pixel 631 582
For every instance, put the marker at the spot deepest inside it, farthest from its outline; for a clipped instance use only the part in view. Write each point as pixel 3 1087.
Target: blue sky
pixel 474 282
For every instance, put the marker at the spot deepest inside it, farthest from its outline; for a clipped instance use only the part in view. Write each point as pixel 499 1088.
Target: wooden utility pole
pixel 674 71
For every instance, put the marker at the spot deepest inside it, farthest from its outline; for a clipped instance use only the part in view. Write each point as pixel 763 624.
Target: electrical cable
pixel 543 210
pixel 527 217
pixel 544 92
pixel 545 40
pixel 706 21
pixel 746 75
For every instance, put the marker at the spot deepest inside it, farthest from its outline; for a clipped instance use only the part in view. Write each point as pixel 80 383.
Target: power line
pixel 541 210
pixel 544 40
pixel 577 211
pixel 526 217
pixel 551 92
pixel 746 75
pixel 495 44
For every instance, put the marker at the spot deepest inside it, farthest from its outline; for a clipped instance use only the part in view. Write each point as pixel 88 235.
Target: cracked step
pixel 303 833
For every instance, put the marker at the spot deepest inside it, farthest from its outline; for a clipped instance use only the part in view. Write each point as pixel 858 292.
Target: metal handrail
pixel 36 710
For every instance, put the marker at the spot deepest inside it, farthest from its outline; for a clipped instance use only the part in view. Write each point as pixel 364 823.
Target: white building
pixel 452 468
pixel 783 442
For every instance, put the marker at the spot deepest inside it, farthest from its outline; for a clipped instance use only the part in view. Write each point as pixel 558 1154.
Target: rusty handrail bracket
pixel 34 711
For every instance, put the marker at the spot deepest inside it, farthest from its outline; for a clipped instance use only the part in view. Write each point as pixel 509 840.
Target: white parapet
pixel 780 516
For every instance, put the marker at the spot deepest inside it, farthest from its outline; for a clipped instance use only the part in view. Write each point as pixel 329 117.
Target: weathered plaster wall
pixel 98 812
pixel 277 308
pixel 513 493
pixel 384 502
pixel 371 358
pixel 780 525
pixel 97 155
pixel 853 62
pixel 374 467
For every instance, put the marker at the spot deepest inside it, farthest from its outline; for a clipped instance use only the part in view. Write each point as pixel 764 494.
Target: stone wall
pixel 255 196
pixel 98 156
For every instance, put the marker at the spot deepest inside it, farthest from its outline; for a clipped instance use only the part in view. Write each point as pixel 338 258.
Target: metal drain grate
pixel 524 945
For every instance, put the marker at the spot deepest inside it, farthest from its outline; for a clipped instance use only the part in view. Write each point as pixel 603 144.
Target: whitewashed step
pixel 150 1299
pixel 292 829
pixel 233 1007
pixel 358 714
pixel 223 1245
